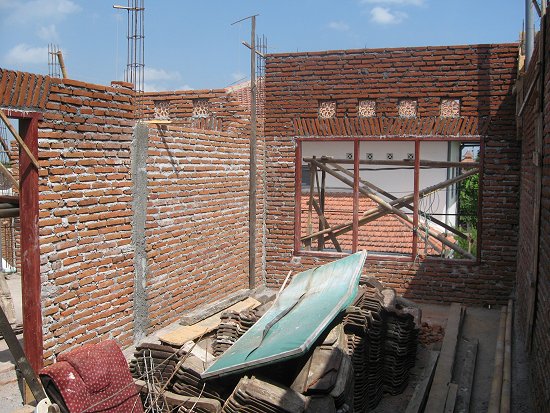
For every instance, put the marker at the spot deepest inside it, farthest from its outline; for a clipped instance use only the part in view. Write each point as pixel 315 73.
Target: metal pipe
pixel 252 190
pixel 529 32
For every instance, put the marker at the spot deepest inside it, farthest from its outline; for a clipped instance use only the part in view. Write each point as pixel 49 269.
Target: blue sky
pixel 191 44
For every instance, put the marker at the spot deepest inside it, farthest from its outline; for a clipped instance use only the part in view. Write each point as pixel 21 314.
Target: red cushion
pixel 95 378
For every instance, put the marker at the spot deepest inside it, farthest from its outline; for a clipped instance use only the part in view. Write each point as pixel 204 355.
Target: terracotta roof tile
pixel 387 234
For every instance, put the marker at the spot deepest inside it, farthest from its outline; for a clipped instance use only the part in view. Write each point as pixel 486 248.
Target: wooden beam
pixel 18 138
pixel 418 399
pixel 444 371
pixel 466 380
pixel 496 384
pixel 405 162
pixel 406 205
pixel 10 199
pixel 183 334
pixel 451 398
pixel 506 391
pixel 326 225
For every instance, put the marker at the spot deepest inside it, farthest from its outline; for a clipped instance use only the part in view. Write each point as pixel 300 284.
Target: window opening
pixel 379 209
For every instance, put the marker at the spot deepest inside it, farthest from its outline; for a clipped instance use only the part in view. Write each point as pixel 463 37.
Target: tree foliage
pixel 467 201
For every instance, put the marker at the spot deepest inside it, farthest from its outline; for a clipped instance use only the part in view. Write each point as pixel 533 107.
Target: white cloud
pixel 157 79
pixel 34 11
pixel 396 2
pixel 184 87
pixel 25 54
pixel 238 76
pixel 152 74
pixel 383 15
pixel 338 25
pixel 48 33
pixel 149 87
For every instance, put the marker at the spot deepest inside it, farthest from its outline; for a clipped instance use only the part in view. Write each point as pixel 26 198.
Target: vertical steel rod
pixel 252 194
pixel 298 196
pixel 355 240
pixel 416 200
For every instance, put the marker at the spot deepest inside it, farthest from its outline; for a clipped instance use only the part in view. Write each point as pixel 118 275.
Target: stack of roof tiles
pixel 381 342
pixel 187 380
pixel 327 376
pixel 400 352
pixel 232 326
pixel 370 353
pixel 253 395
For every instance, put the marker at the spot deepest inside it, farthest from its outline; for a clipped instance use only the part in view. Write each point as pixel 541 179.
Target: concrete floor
pixel 10 396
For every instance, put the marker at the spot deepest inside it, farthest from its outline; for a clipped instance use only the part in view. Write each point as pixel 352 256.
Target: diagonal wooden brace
pixel 391 209
pixel 377 212
pixel 18 138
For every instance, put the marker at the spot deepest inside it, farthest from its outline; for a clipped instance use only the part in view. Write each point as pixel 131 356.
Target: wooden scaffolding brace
pixel 328 165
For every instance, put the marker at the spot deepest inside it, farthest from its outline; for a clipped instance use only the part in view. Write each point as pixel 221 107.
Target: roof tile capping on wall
pixel 24 91
pixel 481 76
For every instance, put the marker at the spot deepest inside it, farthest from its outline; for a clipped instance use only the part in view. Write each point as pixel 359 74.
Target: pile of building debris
pixel 365 352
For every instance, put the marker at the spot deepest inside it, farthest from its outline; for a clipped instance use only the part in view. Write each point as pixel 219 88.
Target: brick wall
pixel 197 219
pixel 481 76
pixel 196 214
pixel 229 112
pixel 85 203
pixel 531 235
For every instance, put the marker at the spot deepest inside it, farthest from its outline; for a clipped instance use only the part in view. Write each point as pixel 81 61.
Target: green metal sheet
pixel 297 318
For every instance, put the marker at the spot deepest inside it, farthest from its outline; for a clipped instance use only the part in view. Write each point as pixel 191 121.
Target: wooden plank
pixel 506 392
pixel 183 334
pixel 496 384
pixel 451 398
pixel 466 380
pixel 418 399
pixel 444 370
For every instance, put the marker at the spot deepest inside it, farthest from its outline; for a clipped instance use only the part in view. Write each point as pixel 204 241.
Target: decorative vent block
pixel 201 108
pixel 370 156
pixel 450 108
pixel 327 109
pixel 410 156
pixel 366 108
pixel 349 155
pixel 162 110
pixel 407 108
pixel 389 156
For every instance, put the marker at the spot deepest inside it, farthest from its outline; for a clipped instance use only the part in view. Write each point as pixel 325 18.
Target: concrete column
pixel 139 207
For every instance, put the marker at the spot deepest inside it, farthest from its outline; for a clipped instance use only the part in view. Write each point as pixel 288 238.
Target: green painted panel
pixel 301 313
